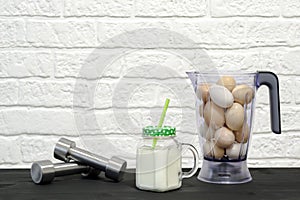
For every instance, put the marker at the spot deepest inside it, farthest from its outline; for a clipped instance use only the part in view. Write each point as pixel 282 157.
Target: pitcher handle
pixel 271 81
pixel 196 161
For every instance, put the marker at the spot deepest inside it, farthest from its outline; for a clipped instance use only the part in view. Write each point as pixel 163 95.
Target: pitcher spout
pixel 193 77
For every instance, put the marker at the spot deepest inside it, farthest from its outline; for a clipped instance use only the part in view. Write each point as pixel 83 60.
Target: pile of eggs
pixel 225 129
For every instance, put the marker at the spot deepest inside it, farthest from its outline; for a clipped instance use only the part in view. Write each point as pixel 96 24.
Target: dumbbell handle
pixel 62 169
pixel 83 156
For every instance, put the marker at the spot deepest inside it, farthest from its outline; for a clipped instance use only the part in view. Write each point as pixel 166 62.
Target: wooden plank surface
pixel 267 184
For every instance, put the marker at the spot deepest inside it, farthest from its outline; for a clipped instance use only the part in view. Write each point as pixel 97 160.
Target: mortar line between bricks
pixel 76 135
pixel 48 49
pixel 67 79
pixel 63 16
pixel 71 107
pixel 204 47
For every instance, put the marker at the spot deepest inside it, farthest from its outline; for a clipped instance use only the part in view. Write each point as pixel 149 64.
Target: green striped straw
pixel 161 121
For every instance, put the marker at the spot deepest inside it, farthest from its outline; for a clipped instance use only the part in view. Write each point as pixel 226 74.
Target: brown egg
pixel 202 92
pixel 224 137
pixel 242 135
pixel 212 150
pixel 214 115
pixel 234 116
pixel 228 82
pixel 218 152
pixel 243 94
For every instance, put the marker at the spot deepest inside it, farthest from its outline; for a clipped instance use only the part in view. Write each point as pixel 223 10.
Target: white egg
pixel 214 115
pixel 221 96
pixel 236 150
pixel 243 94
pixel 234 116
pixel 224 137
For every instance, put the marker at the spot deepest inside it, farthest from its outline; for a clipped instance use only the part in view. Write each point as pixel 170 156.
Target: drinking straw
pixel 161 121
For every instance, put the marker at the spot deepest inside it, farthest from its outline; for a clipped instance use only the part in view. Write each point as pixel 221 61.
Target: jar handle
pixel 271 81
pixel 196 161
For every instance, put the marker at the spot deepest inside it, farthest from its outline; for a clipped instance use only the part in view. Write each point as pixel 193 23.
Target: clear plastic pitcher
pixel 225 103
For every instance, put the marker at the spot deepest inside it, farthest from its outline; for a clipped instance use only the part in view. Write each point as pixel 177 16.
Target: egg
pixel 221 96
pixel 242 135
pixel 214 116
pixel 234 116
pixel 228 82
pixel 202 92
pixel 243 94
pixel 212 150
pixel 224 137
pixel 235 150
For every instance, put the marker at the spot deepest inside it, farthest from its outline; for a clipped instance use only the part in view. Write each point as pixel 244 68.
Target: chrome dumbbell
pixel 44 171
pixel 66 150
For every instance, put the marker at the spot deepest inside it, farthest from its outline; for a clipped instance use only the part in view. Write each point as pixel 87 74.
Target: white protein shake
pixel 158 169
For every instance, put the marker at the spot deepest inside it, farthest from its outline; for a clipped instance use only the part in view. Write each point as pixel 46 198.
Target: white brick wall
pixel 45 44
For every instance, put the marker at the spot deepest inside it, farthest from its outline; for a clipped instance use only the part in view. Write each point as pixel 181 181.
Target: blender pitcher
pixel 225 105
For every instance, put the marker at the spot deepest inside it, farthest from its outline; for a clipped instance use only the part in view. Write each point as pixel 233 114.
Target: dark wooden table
pixel 267 184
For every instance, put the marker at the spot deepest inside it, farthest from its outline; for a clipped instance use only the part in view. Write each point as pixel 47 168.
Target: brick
pixel 12 33
pixel 10 151
pixel 267 146
pixel 37 121
pixel 13 121
pixel 8 92
pixel 61 33
pixel 143 63
pixel 118 8
pixel 272 162
pixel 272 145
pixel 26 64
pixel 69 64
pixel 289 118
pixel 192 33
pixel 223 8
pixel 290 8
pixel 167 8
pixel 284 33
pixel 32 7
pixel 236 60
pixel 129 92
pixel 34 148
pixel 291 62
pixel 46 93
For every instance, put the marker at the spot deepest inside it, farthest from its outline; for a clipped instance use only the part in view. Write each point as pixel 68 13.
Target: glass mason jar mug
pixel 158 160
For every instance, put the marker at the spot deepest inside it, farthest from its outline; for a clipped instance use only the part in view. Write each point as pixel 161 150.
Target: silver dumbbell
pixel 44 171
pixel 66 150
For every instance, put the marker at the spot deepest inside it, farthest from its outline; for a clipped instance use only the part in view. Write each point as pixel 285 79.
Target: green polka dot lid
pixel 154 131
